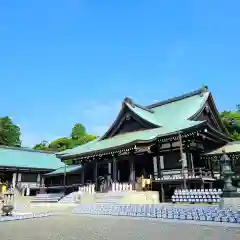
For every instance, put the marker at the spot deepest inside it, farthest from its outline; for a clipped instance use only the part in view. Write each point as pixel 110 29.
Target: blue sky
pixel 72 61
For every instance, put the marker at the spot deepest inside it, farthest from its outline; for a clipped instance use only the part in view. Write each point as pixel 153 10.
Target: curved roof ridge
pixel 144 114
pixel 26 149
pixel 133 104
pixel 178 98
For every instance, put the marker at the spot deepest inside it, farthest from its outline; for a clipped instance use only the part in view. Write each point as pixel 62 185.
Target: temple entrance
pixel 144 166
pixel 123 170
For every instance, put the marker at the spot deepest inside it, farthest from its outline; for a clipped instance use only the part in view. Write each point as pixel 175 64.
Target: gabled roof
pixel 28 158
pixel 61 171
pixel 145 114
pixel 166 117
pixel 231 147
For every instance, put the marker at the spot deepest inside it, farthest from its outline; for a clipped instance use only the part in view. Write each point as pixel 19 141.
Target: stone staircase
pixel 109 197
pixel 71 198
pixel 126 197
pixel 48 198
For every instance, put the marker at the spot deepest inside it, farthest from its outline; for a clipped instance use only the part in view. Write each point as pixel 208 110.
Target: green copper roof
pixel 183 109
pixel 28 158
pixel 144 114
pixel 232 147
pixel 69 169
pixel 168 117
pixel 127 138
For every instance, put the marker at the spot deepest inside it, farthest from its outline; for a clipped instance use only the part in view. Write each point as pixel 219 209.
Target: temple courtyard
pixel 68 226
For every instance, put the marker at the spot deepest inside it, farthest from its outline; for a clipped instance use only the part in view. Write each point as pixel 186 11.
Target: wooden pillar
pixel 14 177
pixel 191 160
pixel 109 168
pixel 82 174
pixel 96 174
pixel 211 168
pixel 155 168
pixel 114 163
pixel 158 158
pixel 162 193
pixel 132 176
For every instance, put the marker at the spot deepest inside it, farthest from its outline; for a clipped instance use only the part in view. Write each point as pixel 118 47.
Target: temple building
pixel 163 141
pixel 24 169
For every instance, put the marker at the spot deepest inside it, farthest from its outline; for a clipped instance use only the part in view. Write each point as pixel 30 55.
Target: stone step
pixel 70 198
pixel 47 198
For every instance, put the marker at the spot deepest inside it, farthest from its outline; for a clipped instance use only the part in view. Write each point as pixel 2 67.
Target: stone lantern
pixel 227 173
pixel 230 196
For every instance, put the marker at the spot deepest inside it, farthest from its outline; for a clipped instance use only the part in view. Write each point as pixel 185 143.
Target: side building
pixel 163 141
pixel 24 169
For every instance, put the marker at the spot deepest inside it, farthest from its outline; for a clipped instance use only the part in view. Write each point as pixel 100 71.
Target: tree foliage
pixel 231 120
pixel 42 146
pixel 78 131
pixel 78 136
pixel 9 133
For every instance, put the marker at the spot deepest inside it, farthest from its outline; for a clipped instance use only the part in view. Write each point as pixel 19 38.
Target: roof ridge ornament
pixel 129 101
pixel 203 90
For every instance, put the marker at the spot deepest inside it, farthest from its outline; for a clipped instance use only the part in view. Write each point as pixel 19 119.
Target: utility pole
pixel 182 160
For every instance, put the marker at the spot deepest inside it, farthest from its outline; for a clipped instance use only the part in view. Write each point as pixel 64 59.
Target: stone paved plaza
pixel 67 226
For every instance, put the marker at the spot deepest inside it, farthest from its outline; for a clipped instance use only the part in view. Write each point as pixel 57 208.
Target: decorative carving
pixel 207 109
pixel 128 117
pixel 204 89
pixel 129 101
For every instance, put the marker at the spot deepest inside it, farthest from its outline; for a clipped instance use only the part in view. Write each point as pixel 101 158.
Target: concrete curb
pixel 165 220
pixel 25 216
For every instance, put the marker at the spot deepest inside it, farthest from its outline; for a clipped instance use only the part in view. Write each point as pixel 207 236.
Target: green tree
pixel 78 136
pixel 42 146
pixel 231 120
pixel 78 131
pixel 61 144
pixel 9 133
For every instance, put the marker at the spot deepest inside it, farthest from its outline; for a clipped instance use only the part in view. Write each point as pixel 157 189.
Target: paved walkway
pixel 67 226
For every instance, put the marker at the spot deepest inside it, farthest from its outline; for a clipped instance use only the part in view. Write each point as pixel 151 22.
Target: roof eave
pixel 134 143
pixel 222 135
pixel 27 168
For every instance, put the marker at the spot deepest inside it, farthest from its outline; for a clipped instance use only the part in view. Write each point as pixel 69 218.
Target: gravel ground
pixel 71 227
